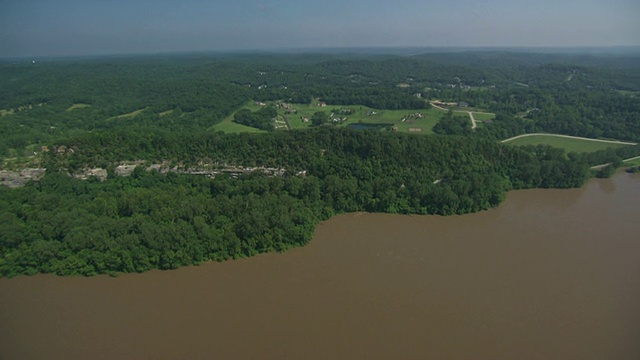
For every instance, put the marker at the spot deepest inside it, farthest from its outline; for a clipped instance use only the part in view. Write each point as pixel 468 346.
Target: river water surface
pixel 550 274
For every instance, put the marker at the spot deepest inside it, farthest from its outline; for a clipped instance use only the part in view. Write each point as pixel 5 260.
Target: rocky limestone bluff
pixel 14 179
pixel 19 178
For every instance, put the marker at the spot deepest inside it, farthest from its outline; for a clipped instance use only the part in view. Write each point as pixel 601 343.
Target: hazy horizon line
pixel 374 50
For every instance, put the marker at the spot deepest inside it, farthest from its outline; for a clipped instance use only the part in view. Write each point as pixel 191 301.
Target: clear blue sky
pixel 86 27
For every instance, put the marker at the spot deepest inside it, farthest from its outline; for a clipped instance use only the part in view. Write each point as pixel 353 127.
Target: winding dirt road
pixel 473 120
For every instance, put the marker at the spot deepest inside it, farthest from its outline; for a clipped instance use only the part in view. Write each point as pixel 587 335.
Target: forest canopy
pixel 152 220
pixel 198 195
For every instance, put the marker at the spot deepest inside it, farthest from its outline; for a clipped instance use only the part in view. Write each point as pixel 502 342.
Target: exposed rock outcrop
pixel 14 179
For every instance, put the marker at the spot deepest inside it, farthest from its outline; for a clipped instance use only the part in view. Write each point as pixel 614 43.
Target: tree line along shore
pixel 174 112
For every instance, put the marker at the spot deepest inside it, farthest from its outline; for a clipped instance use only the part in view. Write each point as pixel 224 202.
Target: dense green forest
pixel 150 220
pixel 592 96
pixel 72 115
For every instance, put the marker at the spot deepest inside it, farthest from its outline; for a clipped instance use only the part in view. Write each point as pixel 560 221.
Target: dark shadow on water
pixel 607 185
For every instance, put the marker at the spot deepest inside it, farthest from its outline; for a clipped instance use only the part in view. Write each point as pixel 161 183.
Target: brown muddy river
pixel 550 274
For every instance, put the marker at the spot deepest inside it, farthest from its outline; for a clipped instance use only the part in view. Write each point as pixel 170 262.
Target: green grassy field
pixel 228 126
pixel 231 127
pixel 361 114
pixel 78 106
pixel 128 115
pixel 576 145
pixel 165 113
pixel 131 114
pixel 483 116
pixel 479 116
pixel 635 162
pixel 364 114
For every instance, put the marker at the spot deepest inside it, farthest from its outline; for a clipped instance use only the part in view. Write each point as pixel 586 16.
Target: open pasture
pixel 568 144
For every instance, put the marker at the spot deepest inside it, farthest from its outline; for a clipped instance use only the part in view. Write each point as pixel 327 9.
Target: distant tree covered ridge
pixel 593 96
pixel 77 115
pixel 149 220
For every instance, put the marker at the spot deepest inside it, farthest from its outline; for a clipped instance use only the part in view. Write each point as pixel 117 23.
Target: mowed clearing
pixel 78 106
pixel 131 114
pixel 476 117
pixel 228 126
pixel 419 121
pixel 482 116
pixel 634 162
pixel 128 115
pixel 299 117
pixel 569 144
